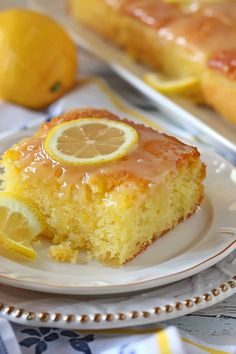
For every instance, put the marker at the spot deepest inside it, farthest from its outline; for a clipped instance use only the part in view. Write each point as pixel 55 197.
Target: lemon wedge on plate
pixel 17 247
pixel 20 223
pixel 90 141
pixel 182 86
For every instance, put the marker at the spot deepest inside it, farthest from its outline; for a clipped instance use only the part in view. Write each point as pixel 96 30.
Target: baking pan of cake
pixel 197 118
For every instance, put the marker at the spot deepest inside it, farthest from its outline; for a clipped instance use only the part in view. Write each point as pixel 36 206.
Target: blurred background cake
pixel 192 41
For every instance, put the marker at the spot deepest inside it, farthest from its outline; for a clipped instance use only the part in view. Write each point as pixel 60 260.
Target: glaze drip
pixel 154 156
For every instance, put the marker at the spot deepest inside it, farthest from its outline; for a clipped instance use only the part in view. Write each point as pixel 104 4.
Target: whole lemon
pixel 38 59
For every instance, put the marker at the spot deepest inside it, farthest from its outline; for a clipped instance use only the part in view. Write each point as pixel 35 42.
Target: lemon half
pixel 90 141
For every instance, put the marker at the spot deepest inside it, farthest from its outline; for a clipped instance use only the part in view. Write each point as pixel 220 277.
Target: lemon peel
pixel 24 250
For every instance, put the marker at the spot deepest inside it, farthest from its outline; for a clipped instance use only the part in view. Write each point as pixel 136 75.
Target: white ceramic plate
pixel 203 121
pixel 194 245
pixel 98 312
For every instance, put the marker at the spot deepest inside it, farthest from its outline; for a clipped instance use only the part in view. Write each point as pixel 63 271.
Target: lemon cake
pixel 183 39
pixel 104 185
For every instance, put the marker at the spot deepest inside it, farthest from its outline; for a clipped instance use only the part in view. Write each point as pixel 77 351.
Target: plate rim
pixel 128 318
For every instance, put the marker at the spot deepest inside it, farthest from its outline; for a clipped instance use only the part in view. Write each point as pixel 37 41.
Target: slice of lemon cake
pixel 104 185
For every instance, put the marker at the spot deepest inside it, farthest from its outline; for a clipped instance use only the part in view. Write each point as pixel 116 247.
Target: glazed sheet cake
pixel 113 210
pixel 179 39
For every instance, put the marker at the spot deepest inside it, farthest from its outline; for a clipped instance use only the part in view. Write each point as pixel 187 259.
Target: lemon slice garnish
pixel 20 223
pixel 89 141
pixel 185 86
pixel 17 247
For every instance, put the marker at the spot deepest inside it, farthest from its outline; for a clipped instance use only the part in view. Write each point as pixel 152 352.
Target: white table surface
pixel 216 324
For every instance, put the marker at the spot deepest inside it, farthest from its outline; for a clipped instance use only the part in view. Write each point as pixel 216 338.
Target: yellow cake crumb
pixel 63 252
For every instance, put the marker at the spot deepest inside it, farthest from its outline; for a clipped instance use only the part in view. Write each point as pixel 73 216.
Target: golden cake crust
pixel 225 63
pixel 154 147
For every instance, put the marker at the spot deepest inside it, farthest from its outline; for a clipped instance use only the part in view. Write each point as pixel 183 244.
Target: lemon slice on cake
pixel 183 86
pixel 88 141
pixel 20 223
